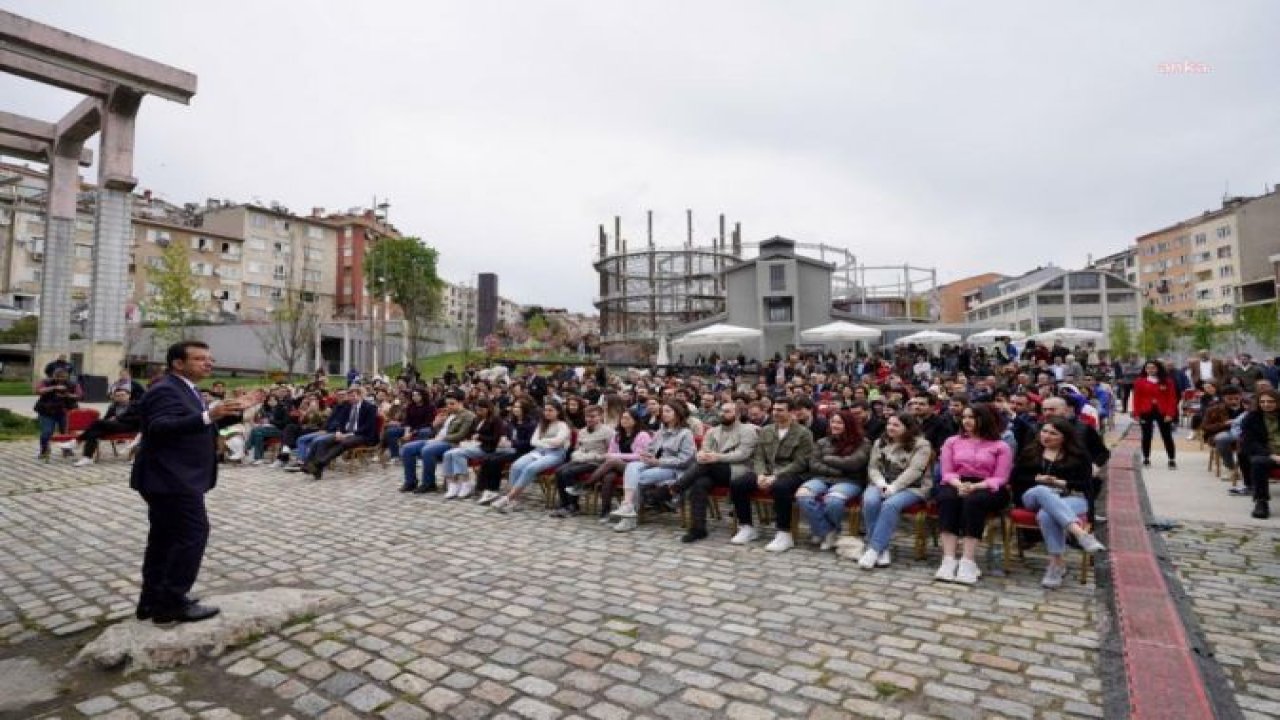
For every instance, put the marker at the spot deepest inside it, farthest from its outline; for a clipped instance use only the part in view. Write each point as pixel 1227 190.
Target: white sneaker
pixel 816 539
pixel 277 464
pixel 84 461
pixel 745 534
pixel 487 497
pixel 829 542
pixel 868 559
pixel 968 572
pixel 236 458
pixel 884 558
pixel 625 510
pixel 256 463
pixel 626 524
pixel 1090 544
pixel 501 503
pixel 947 570
pixel 452 489
pixel 1053 576
pixel 466 488
pixel 68 445
pixel 781 542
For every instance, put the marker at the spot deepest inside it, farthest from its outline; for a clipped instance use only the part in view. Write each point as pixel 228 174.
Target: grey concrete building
pixel 1050 298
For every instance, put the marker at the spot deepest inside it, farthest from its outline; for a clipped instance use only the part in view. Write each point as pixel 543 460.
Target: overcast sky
pixel 970 137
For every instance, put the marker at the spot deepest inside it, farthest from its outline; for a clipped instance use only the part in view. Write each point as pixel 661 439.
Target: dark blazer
pixel 178 451
pixel 366 425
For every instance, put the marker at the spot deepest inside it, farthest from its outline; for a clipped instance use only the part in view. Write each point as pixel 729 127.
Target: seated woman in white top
pixel 550 449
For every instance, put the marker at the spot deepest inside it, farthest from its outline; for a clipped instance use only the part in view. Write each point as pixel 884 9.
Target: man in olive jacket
pixel 727 453
pixel 455 428
pixel 781 458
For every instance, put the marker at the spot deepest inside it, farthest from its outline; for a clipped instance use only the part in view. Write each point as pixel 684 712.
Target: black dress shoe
pixel 424 489
pixel 145 612
pixel 406 488
pixel 694 535
pixel 1261 510
pixel 189 613
pixel 317 470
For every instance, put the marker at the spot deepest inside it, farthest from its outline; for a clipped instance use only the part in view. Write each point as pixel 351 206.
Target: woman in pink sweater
pixel 630 441
pixel 975 469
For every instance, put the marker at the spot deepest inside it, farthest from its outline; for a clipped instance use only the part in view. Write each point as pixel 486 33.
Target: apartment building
pixel 956 297
pixel 358 231
pixel 215 260
pixel 282 252
pixel 22 232
pixel 1123 264
pixel 1211 263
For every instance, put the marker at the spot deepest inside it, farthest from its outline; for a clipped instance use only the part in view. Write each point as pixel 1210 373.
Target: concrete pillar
pixel 59 236
pixel 111 242
pixel 346 349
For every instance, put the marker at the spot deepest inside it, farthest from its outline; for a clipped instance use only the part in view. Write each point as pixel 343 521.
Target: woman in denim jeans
pixel 668 455
pixel 486 435
pixel 550 448
pixel 838 473
pixel 1054 477
pixel 899 478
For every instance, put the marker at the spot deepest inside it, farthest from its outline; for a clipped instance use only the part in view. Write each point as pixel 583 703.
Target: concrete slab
pixel 25 682
pixel 143 645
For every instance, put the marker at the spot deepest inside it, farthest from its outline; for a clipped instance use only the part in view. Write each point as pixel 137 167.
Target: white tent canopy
pixel 1068 335
pixel 718 334
pixel 995 334
pixel 839 331
pixel 928 337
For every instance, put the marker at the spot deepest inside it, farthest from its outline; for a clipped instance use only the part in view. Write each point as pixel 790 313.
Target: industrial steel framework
pixel 646 291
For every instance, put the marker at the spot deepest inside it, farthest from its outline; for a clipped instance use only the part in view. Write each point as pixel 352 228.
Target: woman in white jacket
pixel 550 448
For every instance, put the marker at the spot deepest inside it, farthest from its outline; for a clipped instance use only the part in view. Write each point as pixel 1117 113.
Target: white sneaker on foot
pixel 625 510
pixel 884 558
pixel 781 542
pixel 626 524
pixel 277 464
pixel 501 504
pixel 968 573
pixel 829 541
pixel 465 489
pixel 745 534
pixel 947 570
pixel 1053 576
pixel 84 461
pixel 258 462
pixel 1090 544
pixel 487 497
pixel 451 489
pixel 868 559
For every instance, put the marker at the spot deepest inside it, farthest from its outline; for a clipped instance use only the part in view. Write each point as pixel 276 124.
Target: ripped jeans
pixel 824 504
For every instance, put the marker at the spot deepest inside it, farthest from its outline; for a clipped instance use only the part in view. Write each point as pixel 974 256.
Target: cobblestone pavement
pixel 1232 575
pixel 458 612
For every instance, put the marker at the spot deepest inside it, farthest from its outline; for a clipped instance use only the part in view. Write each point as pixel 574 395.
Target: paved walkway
pixel 458 612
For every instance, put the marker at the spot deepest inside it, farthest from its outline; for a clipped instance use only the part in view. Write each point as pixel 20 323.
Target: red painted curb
pixel 1163 678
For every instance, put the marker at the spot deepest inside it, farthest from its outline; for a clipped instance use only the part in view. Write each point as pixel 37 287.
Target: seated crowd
pixel 810 437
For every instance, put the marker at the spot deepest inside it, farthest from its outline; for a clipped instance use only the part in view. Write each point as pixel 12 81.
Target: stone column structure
pixel 106 328
pixel 59 240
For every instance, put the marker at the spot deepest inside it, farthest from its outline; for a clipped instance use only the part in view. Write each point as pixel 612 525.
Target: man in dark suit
pixel 175 466
pixel 354 423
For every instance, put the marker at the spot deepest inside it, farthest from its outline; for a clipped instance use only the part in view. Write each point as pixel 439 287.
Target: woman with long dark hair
pixel 630 441
pixel 668 455
pixel 486 434
pixel 837 474
pixel 898 479
pixel 549 449
pixel 1054 477
pixel 1155 402
pixel 1259 441
pixel 975 469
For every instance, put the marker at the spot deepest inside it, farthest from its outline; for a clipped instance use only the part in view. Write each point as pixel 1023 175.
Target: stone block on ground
pixel 143 645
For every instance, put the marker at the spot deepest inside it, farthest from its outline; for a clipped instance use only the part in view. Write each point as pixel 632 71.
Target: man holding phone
pixel 176 465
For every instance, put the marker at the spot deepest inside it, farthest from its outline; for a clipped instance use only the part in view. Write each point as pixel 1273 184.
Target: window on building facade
pixel 315 232
pixel 258 221
pixel 1115 282
pixel 230 249
pixel 1086 298
pixel 1224 252
pixel 254 268
pixel 312 253
pixel 1228 291
pixel 777 310
pixel 1226 271
pixel 1203 294
pixel 1049 299
pixel 84 251
pixel 1023 302
pixel 311 275
pixel 81 280
pixel 257 244
pixel 1119 298
pixel 1054 284
pixel 1089 322
pixel 1224 231
pixel 778 278
pixel 280 272
pixel 155 262
pixel 1085 281
pixel 1201 239
pixel 253 290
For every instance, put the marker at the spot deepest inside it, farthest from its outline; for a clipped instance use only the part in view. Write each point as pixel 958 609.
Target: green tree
pixel 1158 331
pixel 1203 331
pixel 405 269
pixel 1121 338
pixel 1262 323
pixel 23 331
pixel 174 306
